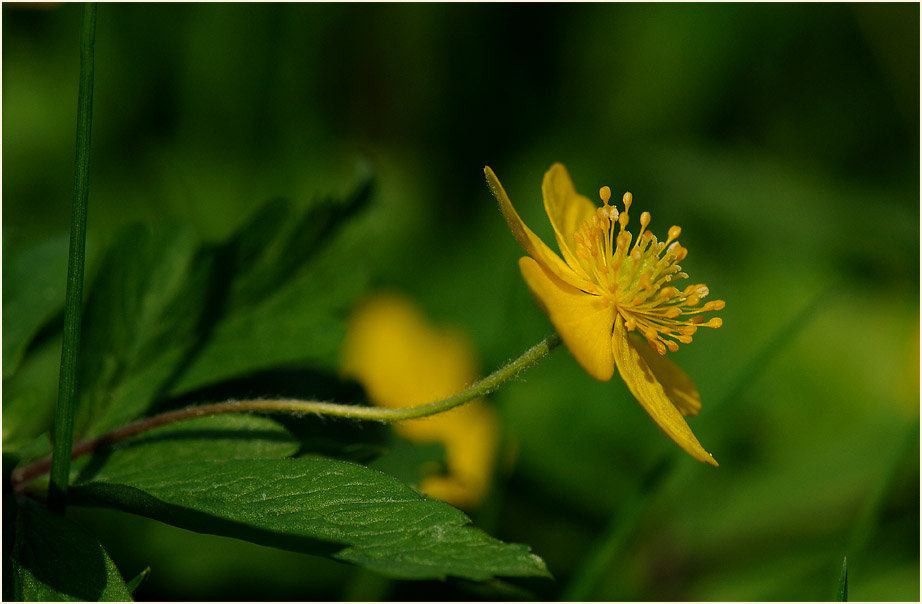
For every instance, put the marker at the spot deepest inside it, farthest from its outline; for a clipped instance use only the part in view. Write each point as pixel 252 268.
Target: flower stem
pixel 63 430
pixel 480 388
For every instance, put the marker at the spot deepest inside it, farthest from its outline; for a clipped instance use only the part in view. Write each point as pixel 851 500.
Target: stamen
pixel 644 223
pixel 674 232
pixel 605 194
pixel 637 280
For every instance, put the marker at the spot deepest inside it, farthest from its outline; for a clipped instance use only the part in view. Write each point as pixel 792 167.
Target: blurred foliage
pixel 782 138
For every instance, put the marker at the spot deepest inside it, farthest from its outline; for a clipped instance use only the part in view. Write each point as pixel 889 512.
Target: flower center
pixel 637 279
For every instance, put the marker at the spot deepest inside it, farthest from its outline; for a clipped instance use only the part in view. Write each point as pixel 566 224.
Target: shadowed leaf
pixel 56 560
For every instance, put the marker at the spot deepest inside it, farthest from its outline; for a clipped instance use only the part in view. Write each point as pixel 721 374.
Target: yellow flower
pixel 605 296
pixel 403 361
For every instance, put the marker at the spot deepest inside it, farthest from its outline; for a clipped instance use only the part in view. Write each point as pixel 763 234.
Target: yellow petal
pixel 400 359
pixel 403 361
pixel 676 384
pixel 584 321
pixel 530 242
pixel 567 210
pixel 649 393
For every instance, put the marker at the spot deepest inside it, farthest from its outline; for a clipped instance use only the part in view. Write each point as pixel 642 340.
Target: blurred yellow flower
pixel 604 293
pixel 403 361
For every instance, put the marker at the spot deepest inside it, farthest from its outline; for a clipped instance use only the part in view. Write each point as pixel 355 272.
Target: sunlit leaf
pixel 335 508
pixel 213 438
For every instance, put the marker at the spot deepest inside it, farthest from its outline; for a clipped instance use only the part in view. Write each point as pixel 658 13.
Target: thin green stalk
pixel 63 430
pixel 483 387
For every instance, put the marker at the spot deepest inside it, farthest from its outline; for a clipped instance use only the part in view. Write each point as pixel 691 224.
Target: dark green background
pixel 783 139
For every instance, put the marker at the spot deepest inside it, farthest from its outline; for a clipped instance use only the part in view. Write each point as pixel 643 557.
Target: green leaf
pixel 29 395
pixel 33 292
pixel 842 587
pixel 302 323
pixel 54 559
pixel 318 506
pixel 212 438
pixel 128 321
pixel 277 242
pixel 169 314
pixel 286 295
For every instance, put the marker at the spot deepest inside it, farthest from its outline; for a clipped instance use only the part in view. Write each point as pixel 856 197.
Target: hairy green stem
pixel 63 430
pixel 480 388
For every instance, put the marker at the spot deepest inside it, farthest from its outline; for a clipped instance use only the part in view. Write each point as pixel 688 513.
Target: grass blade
pixel 842 588
pixel 616 535
pixel 138 581
pixel 63 431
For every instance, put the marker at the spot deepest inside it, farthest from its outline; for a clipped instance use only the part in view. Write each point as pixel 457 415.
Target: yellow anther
pixel 603 219
pixel 684 338
pixel 668 292
pixel 677 252
pixel 645 282
pixel 715 322
pixel 693 300
pixel 605 194
pixel 673 312
pixel 627 199
pixel 644 220
pixel 674 232
pixel 630 324
pixel 672 346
